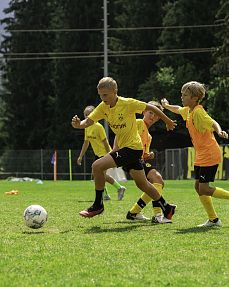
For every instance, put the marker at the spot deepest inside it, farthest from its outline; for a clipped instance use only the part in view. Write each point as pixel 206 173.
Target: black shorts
pixel 97 157
pixel 147 165
pixel 128 158
pixel 205 174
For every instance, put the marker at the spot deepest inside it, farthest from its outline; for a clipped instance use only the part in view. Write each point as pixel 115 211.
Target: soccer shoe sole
pixel 89 214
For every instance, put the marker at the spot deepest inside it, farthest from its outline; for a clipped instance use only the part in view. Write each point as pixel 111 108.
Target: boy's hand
pixel 76 122
pixel 171 125
pixel 79 160
pixel 148 156
pixel 223 134
pixel 164 102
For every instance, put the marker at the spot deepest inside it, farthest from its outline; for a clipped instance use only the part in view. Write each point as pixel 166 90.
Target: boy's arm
pixel 82 152
pixel 78 124
pixel 106 145
pixel 218 130
pixel 170 124
pixel 172 108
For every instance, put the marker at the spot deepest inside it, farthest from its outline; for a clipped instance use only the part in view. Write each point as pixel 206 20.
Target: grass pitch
pixel 108 250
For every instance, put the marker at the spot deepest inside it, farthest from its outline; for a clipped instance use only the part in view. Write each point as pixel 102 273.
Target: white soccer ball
pixel 35 216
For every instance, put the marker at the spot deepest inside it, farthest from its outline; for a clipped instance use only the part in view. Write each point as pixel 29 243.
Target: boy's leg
pixel 143 184
pixel 98 169
pixel 203 176
pixel 106 196
pixel 155 177
pixel 221 193
pixel 120 189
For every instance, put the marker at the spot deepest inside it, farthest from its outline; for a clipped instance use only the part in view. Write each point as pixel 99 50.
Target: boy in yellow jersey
pixel 152 174
pixel 96 136
pixel 120 113
pixel 201 127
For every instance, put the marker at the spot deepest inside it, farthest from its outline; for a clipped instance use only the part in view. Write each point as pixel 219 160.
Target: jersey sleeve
pixel 136 106
pixel 183 111
pixel 97 114
pixel 202 121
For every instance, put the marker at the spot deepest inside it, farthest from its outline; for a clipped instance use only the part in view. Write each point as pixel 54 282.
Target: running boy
pixel 96 136
pixel 120 113
pixel 201 127
pixel 152 174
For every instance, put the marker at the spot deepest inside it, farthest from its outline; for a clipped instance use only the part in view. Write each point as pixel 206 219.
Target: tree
pixel 218 101
pixel 27 83
pixel 131 71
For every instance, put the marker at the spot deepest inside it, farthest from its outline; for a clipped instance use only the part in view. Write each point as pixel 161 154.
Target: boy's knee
pixel 97 166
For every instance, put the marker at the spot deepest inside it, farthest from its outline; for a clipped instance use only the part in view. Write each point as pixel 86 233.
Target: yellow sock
pixel 159 188
pixel 208 206
pixel 221 193
pixel 146 198
pixel 142 202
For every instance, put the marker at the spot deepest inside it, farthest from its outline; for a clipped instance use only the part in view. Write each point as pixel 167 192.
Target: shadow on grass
pixel 84 201
pixel 99 229
pixel 47 232
pixel 196 230
pixel 33 232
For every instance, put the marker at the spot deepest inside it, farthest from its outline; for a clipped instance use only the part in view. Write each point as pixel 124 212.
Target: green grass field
pixel 108 250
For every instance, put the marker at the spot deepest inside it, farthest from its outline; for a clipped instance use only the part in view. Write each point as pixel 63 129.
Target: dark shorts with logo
pixel 128 158
pixel 147 165
pixel 205 174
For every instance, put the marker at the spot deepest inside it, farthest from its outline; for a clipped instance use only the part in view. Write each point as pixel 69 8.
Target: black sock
pixel 141 203
pixel 160 203
pixel 214 220
pixel 98 197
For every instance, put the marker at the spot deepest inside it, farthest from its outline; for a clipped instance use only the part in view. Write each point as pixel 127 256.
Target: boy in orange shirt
pixel 201 127
pixel 120 113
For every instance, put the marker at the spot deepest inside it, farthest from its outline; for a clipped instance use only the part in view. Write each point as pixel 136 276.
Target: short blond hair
pixel 107 83
pixel 194 89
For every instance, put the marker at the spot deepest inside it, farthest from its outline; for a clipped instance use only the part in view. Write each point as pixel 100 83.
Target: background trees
pixel 39 96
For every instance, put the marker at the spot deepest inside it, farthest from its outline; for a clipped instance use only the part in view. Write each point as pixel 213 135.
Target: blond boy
pixel 201 127
pixel 120 113
pixel 96 136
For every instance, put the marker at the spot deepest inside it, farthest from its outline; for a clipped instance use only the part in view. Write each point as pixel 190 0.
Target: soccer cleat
pixel 170 212
pixel 106 197
pixel 210 223
pixel 160 219
pixel 92 211
pixel 121 191
pixel 136 216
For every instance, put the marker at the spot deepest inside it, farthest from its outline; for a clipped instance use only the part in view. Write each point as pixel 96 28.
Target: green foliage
pixel 218 101
pixel 108 250
pixel 39 97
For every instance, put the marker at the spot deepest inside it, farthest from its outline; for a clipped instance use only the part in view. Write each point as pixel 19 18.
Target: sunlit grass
pixel 108 250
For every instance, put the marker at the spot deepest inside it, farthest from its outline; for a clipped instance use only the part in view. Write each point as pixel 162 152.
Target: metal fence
pixel 171 163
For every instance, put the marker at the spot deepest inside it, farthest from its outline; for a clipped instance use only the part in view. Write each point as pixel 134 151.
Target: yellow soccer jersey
pixel 95 134
pixel 144 134
pixel 122 120
pixel 202 121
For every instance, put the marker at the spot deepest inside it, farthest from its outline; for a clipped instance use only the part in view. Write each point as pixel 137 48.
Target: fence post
pixel 42 165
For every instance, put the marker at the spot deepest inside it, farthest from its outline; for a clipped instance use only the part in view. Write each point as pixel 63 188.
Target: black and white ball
pixel 35 216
